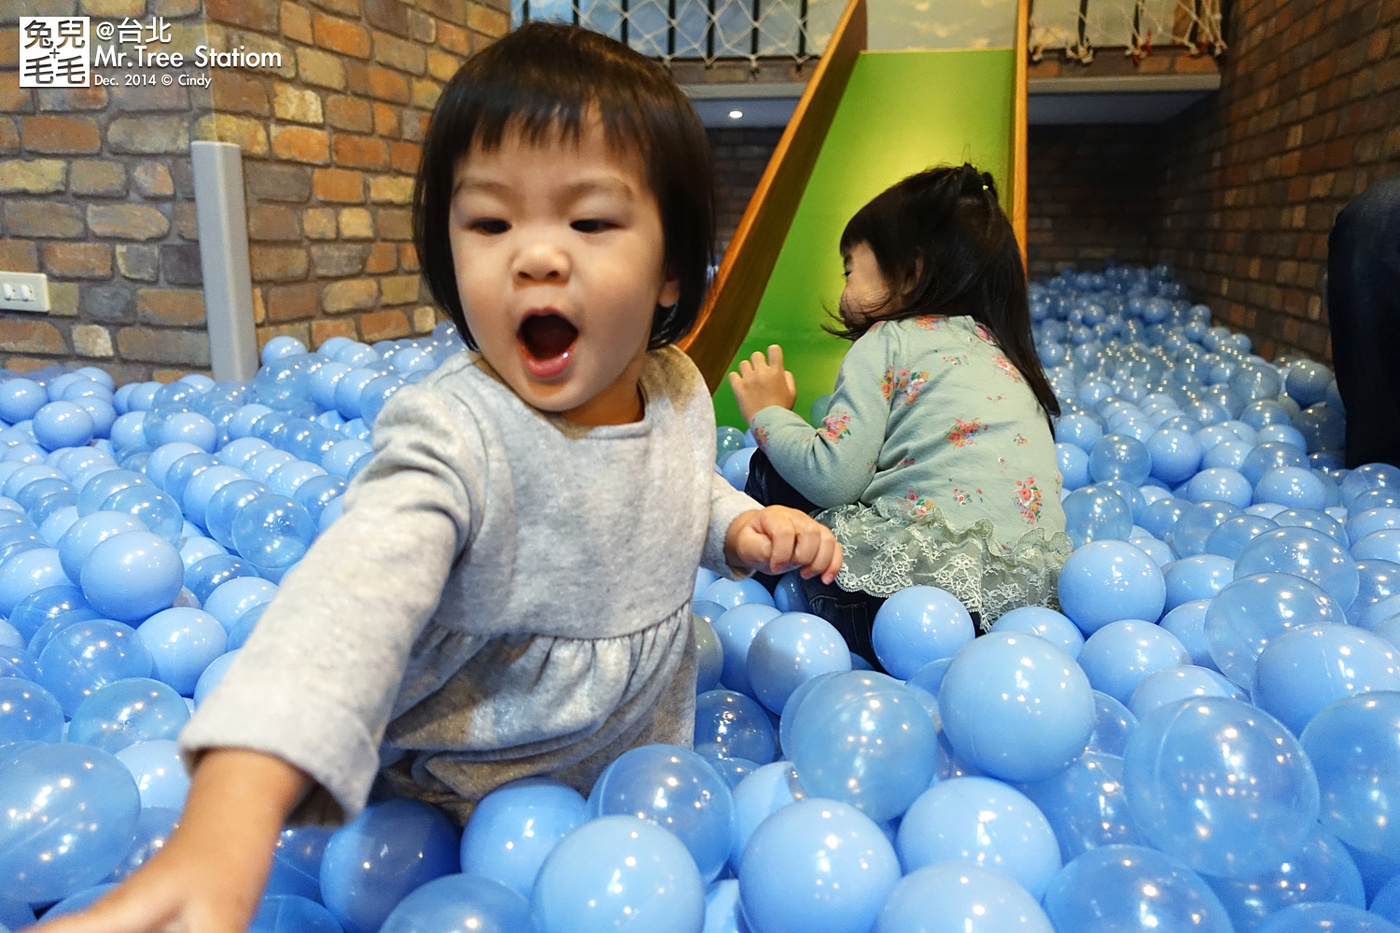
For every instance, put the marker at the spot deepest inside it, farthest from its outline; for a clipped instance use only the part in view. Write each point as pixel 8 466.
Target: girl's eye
pixel 490 226
pixel 592 226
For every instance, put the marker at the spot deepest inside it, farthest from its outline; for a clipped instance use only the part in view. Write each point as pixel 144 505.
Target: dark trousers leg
pixel 1363 306
pixel 851 614
pixel 769 488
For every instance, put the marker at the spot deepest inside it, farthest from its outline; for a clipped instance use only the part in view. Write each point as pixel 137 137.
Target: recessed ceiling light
pixel 735 114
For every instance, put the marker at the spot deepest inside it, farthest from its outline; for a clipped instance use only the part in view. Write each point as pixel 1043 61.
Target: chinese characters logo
pixel 54 51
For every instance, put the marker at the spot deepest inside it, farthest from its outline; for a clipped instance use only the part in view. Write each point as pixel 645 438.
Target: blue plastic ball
pixel 377 859
pixel 1219 784
pixel 1122 654
pixel 153 829
pixel 26 572
pixel 224 506
pixel 736 629
pixel 1053 626
pixel 159 772
pixel 764 791
pixel 1309 667
pixel 1073 464
pixel 917 625
pixel 134 709
pixel 865 740
pixel 182 642
pixel 1320 871
pixel 790 649
pixel 1231 535
pixel 63 424
pixel 1115 456
pixel 1182 682
pixel 1253 611
pixel 709 654
pixel 1096 513
pixel 816 865
pixel 67 817
pixel 677 790
pixel 272 533
pixel 1352 744
pixel 467 903
pixel 1219 484
pixel 619 873
pixel 1016 706
pixel 1198 577
pixel 157 510
pixel 1175 455
pixel 1086 804
pixel 515 827
pixel 733 725
pixel 1306 553
pixel 979 820
pixel 1323 917
pixel 1121 888
pixel 296 862
pixel 1105 581
pixel 86 656
pixel 132 575
pixel 28 713
pixel 288 913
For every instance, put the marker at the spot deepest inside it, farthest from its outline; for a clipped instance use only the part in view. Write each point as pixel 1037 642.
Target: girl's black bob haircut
pixel 541 80
pixel 943 243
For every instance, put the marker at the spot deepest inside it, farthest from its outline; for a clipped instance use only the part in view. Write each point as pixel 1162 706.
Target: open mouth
pixel 546 340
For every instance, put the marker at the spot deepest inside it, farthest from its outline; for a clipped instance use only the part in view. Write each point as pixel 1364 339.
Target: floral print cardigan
pixel 929 411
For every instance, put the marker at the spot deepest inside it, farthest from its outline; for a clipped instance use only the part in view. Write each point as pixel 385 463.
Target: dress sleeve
pixel 316 682
pixel 834 464
pixel 726 504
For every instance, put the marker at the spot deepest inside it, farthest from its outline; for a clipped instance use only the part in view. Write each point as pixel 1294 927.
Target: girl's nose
pixel 542 261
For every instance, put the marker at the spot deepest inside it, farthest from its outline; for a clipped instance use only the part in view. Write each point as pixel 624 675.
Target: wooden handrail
pixel 743 273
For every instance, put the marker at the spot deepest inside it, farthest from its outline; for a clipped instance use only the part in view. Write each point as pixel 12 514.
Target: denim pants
pixel 851 614
pixel 1363 307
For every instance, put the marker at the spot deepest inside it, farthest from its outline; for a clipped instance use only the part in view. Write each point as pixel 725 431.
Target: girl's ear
pixel 906 288
pixel 670 291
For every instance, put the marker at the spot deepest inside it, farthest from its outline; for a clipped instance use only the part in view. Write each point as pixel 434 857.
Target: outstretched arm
pixel 209 877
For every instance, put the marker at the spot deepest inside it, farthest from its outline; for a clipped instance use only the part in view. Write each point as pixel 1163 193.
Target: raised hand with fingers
pixel 762 381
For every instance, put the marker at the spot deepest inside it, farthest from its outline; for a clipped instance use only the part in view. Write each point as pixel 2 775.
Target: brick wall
pixel 97 190
pixel 741 155
pixel 1251 179
pixel 1090 196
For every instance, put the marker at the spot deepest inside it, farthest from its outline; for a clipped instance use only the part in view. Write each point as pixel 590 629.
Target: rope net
pixel 708 30
pixel 1081 27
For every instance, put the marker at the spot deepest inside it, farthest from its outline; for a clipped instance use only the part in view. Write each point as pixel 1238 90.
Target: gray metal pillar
pixel 223 255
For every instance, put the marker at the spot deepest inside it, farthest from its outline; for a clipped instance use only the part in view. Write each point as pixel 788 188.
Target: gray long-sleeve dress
pixel 506 594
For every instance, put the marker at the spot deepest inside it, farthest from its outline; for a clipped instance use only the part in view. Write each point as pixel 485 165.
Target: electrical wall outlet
pixel 24 291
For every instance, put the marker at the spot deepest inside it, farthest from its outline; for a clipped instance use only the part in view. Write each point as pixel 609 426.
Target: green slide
pixel 901 112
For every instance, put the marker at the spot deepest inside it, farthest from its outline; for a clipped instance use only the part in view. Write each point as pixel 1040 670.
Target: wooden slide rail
pixel 739 284
pixel 1020 126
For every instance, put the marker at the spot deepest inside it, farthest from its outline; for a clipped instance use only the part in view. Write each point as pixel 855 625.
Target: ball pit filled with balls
pixel 1203 735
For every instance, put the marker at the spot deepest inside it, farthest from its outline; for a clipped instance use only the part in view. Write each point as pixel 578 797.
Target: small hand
pixel 778 539
pixel 762 381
